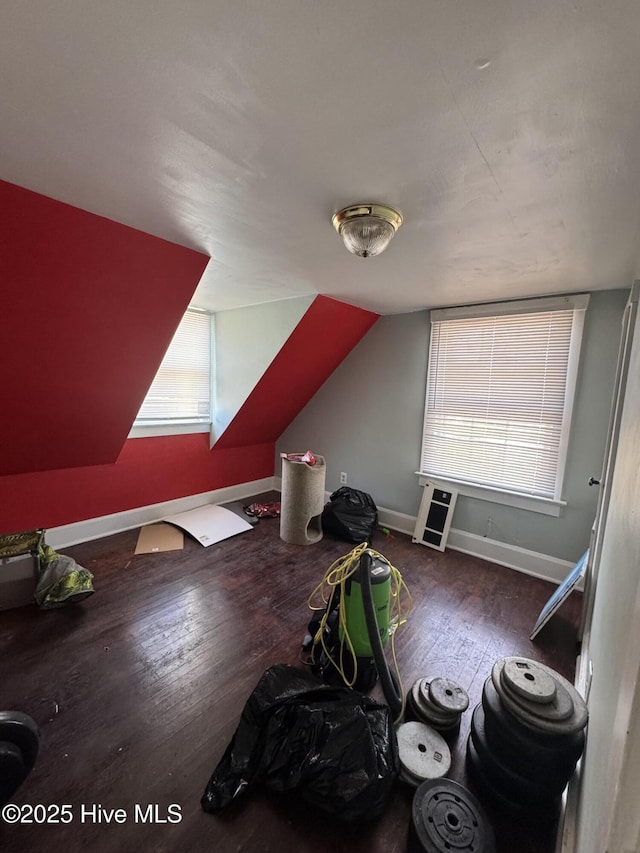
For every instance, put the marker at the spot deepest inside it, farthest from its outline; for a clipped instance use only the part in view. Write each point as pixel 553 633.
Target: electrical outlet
pixel 343 478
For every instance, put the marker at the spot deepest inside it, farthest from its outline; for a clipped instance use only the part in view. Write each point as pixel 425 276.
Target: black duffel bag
pixel 350 515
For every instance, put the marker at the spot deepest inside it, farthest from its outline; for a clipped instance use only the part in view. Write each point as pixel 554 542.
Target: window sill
pixel 154 429
pixel 546 506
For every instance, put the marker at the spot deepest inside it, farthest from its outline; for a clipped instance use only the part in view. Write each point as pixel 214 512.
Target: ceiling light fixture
pixel 367 229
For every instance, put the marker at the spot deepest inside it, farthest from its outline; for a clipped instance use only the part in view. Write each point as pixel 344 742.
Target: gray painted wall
pixel 367 420
pixel 246 342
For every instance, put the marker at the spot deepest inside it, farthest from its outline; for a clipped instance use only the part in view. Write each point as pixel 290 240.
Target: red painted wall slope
pixel 88 309
pixel 322 339
pixel 153 470
pixel 148 471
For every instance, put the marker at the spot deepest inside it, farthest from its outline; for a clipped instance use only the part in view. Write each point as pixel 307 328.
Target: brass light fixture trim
pixel 366 229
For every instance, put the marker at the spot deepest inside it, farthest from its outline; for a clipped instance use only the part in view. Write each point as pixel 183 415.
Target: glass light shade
pixel 366 236
pixel 366 229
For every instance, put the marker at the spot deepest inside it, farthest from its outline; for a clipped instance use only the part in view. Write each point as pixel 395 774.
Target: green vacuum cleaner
pixel 353 624
pixel 365 606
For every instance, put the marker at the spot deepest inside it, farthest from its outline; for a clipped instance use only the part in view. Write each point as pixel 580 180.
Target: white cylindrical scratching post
pixel 302 501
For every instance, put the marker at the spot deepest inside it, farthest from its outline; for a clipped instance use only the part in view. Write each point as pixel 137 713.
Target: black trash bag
pixel 333 746
pixel 351 515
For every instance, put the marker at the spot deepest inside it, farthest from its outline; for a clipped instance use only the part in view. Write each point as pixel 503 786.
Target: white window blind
pixel 181 390
pixel 499 394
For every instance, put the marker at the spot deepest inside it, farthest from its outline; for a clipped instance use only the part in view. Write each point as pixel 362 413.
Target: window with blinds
pixel 181 390
pixel 499 394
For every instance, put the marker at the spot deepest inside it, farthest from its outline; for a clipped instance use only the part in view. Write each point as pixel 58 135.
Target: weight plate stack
pixel 503 799
pixel 537 754
pixel 564 714
pixel 526 735
pixel 438 703
pixel 482 780
pixel 519 783
pixel 447 817
pixel 423 753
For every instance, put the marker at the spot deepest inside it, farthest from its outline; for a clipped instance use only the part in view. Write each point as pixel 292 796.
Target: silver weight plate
pixel 551 717
pixel 416 699
pixel 448 696
pixel 527 679
pixel 424 709
pixel 415 693
pixel 432 711
pixel 423 753
pixel 422 715
pixel 560 707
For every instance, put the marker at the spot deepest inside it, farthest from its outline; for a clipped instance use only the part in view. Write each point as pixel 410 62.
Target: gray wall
pixel 367 420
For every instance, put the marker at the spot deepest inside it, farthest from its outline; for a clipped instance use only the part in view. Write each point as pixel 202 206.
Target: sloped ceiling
pixel 506 133
pixel 88 310
pixel 325 335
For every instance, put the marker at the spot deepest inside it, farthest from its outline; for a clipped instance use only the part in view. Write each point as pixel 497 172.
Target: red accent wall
pixel 148 471
pixel 88 309
pixel 322 339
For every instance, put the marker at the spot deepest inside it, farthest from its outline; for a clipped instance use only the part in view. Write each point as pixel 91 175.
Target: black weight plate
pixel 445 816
pixel 527 812
pixel 448 696
pixel 556 775
pixel 558 710
pixel 514 746
pixel 20 729
pixel 506 733
pixel 12 770
pixel 521 782
pixel 449 733
pixel 480 777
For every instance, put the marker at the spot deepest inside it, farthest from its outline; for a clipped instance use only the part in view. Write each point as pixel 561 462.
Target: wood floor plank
pixel 139 689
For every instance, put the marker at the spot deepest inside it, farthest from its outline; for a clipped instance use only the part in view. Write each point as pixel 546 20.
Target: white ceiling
pixel 506 131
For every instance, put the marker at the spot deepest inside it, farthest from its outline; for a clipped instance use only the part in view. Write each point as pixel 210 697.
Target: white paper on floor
pixel 210 524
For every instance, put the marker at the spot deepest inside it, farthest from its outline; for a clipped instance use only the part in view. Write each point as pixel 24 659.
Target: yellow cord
pixel 335 577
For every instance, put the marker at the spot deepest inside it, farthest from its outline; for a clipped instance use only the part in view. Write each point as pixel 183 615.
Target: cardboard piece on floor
pixel 210 524
pixel 159 537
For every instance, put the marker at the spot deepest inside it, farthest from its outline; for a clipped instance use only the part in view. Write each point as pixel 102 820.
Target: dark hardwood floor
pixel 139 689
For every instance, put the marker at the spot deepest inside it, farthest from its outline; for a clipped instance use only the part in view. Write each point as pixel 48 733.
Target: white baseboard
pixel 95 528
pixel 521 559
pixel 529 562
pixel 17 580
